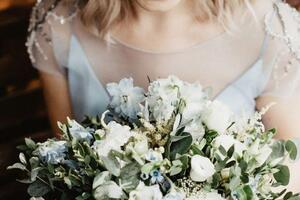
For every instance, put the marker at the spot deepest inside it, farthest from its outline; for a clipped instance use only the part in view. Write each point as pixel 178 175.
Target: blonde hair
pixel 99 16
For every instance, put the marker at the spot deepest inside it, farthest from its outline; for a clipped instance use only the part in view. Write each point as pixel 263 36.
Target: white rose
pixel 143 192
pixel 217 116
pixel 108 190
pixel 201 168
pixel 116 136
pixel 228 141
pixel 138 148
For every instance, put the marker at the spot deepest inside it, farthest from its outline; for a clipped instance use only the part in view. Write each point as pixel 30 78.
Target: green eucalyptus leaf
pixel 283 175
pixel 291 147
pixel 278 150
pixel 34 173
pixel 68 182
pixel 196 150
pixel 101 178
pixel 222 150
pixel 244 193
pixel 111 164
pixel 294 198
pixel 22 158
pixel 129 176
pixel 17 166
pixel 34 162
pixel 30 143
pixel 230 151
pixel 26 181
pixel 288 195
pixel 38 189
pixel 230 164
pixel 180 146
pixel 83 196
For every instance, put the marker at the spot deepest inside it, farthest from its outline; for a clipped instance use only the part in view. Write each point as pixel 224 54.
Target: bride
pixel 247 51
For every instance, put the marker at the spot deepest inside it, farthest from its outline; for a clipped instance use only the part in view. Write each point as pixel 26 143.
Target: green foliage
pixel 38 189
pixel 178 144
pixel 283 175
pixel 291 148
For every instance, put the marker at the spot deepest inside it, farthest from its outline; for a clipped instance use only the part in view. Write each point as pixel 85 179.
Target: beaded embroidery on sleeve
pixel 289 36
pixel 43 15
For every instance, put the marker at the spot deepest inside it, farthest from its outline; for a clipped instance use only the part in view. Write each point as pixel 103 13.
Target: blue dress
pixel 274 70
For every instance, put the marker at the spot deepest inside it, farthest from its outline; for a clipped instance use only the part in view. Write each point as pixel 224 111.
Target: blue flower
pixel 79 132
pixel 156 177
pixel 52 152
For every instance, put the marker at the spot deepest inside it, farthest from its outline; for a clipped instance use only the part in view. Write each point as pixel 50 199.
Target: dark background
pixel 22 108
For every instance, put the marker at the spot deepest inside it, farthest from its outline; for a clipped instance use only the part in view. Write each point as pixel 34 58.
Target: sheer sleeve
pixel 282 55
pixel 49 31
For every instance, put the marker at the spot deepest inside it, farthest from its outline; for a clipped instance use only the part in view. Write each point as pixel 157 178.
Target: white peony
pixel 192 92
pixel 194 98
pixel 162 110
pixel 201 168
pixel 116 136
pixel 125 98
pixel 162 97
pixel 143 192
pixel 228 141
pixel 217 116
pixel 196 129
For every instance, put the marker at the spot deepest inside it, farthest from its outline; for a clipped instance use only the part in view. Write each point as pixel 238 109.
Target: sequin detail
pixel 293 51
pixel 40 17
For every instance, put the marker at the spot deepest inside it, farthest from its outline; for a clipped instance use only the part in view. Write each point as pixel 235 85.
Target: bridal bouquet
pixel 168 143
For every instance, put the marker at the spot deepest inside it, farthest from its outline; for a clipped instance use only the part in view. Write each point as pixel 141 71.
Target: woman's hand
pixel 285 117
pixel 57 98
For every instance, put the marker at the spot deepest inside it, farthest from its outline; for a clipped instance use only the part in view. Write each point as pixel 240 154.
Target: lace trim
pixel 39 17
pixel 285 37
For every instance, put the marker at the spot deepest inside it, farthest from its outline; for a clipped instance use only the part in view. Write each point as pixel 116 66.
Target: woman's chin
pixel 159 5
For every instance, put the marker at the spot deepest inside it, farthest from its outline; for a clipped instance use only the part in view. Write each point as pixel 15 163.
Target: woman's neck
pixel 165 31
pixel 179 17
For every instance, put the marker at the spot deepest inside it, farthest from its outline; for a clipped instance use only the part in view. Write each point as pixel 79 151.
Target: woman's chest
pixel 213 67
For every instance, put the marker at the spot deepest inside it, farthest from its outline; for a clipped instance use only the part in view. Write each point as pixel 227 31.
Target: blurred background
pixel 22 108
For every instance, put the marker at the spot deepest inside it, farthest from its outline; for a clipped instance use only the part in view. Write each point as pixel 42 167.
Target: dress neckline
pixel 115 41
pixel 99 82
